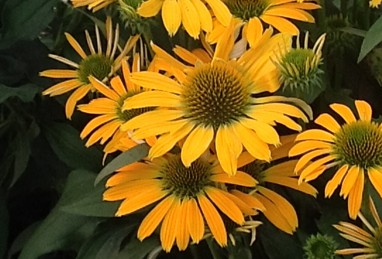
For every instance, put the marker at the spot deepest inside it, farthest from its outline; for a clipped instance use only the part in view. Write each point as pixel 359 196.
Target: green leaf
pixel 373 38
pixel 106 241
pixel 138 249
pixel 90 203
pixel 66 143
pixel 25 19
pixel 132 155
pixel 26 92
pixel 60 230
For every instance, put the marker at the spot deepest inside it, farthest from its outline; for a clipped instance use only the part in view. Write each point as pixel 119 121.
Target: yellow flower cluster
pixel 212 117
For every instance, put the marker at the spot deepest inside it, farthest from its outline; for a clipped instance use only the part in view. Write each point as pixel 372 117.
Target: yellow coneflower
pixel 99 64
pixel 214 102
pixel 249 17
pixel 276 208
pixel 94 5
pixel 300 72
pixel 109 110
pixel 184 198
pixel 354 149
pixel 370 238
pixel 193 15
pixel 375 3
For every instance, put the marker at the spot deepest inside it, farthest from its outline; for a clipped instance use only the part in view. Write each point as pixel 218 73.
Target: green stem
pixel 213 250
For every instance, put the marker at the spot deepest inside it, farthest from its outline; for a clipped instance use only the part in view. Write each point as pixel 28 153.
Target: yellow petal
pixel 281 24
pixel 77 95
pixel 332 185
pixel 94 123
pixel 214 220
pixel 190 18
pixel 102 88
pixel 204 15
pixel 167 233
pixel 364 110
pixel 292 183
pixel 63 87
pixel 315 134
pixel 195 221
pixel 59 73
pixel 227 149
pixel 296 14
pixel 192 151
pixel 154 218
pixel 344 112
pixel 225 205
pixel 250 200
pixel 150 118
pixel 171 16
pixel 306 158
pixel 140 201
pixel 242 205
pixel 275 216
pixel 150 8
pixel 307 146
pixel 349 180
pixel 375 176
pixel 166 142
pixel 118 86
pixel 254 31
pixel 76 46
pixel 221 11
pixel 263 130
pixel 152 99
pixel 355 196
pixel 152 80
pixel 327 121
pixel 182 235
pixel 252 143
pixel 315 166
pixel 240 178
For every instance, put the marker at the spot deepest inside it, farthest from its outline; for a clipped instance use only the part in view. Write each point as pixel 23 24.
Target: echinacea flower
pixel 369 237
pixel 99 64
pixel 109 110
pixel 320 246
pixel 249 16
pixel 353 149
pixel 184 198
pixel 300 72
pixel 215 103
pixel 94 5
pixel 194 15
pixel 375 3
pixel 276 208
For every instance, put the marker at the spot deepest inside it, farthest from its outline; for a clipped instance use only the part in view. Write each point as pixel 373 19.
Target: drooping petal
pixel 214 220
pixel 227 206
pixel 327 121
pixel 281 24
pixel 375 176
pixel 355 196
pixel 192 151
pixel 182 235
pixel 349 180
pixel 240 178
pixel 77 95
pixel 332 185
pixel 190 18
pixel 171 16
pixel 221 11
pixel 154 218
pixel 167 233
pixel 194 220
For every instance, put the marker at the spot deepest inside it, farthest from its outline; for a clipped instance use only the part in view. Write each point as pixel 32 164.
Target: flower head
pixel 99 64
pixel 214 102
pixel 370 238
pixel 185 198
pixel 320 247
pixel 248 16
pixel 94 5
pixel 194 15
pixel 374 3
pixel 300 71
pixel 354 149
pixel 110 117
